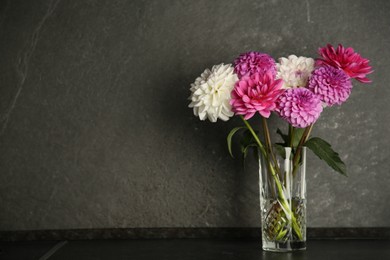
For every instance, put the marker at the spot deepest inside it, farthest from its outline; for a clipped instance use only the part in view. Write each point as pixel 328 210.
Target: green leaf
pixel 284 137
pixel 244 149
pixel 325 152
pixel 230 136
pixel 298 132
pixel 280 149
pixel 247 138
pixel 247 141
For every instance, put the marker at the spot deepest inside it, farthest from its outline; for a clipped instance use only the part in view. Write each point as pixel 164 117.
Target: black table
pixel 183 249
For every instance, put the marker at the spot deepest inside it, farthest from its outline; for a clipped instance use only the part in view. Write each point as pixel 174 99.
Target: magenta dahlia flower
pixel 332 85
pixel 254 62
pixel 256 93
pixel 299 106
pixel 346 59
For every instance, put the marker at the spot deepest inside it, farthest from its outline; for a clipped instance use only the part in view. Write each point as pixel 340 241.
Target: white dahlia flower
pixel 210 93
pixel 295 71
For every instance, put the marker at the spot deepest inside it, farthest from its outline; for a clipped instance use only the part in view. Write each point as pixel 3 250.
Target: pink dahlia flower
pixel 256 93
pixel 346 59
pixel 253 62
pixel 332 85
pixel 299 106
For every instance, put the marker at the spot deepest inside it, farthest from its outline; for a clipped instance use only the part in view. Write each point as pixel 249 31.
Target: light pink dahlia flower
pixel 299 106
pixel 346 59
pixel 256 93
pixel 254 62
pixel 332 85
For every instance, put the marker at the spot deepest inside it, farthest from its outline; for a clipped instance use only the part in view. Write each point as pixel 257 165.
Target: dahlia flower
pixel 210 93
pixel 295 71
pixel 256 93
pixel 332 85
pixel 346 59
pixel 254 62
pixel 299 106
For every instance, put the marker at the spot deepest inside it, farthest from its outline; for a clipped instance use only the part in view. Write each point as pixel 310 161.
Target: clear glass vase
pixel 282 177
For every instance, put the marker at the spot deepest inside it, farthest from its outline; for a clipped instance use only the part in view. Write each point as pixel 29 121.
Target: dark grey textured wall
pixel 95 129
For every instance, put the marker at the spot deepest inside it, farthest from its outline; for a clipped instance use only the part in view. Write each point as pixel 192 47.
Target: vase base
pixel 284 246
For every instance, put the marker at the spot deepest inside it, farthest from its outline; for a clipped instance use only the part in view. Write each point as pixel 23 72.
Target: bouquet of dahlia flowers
pixel 297 89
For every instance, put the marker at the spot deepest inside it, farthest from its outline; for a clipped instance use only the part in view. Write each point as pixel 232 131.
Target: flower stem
pixel 255 136
pixel 268 143
pixel 281 196
pixel 297 154
pixel 291 135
